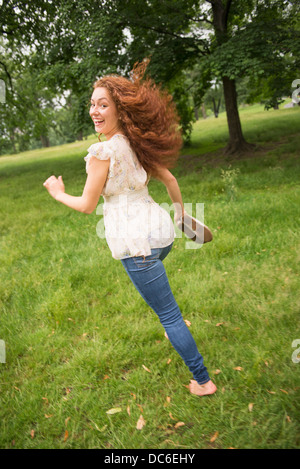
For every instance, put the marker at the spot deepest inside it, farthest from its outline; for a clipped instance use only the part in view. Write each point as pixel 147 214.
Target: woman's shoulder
pixel 97 147
pixel 116 142
pixel 102 150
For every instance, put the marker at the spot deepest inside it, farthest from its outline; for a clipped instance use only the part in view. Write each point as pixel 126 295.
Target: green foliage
pixel 64 47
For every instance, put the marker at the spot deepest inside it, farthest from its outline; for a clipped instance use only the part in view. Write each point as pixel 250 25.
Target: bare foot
pixel 202 389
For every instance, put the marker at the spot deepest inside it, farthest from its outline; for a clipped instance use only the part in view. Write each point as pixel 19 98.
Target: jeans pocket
pixel 143 262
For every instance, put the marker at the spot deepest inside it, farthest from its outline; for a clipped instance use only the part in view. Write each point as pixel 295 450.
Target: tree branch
pixel 197 41
pixel 158 30
pixel 7 74
pixel 203 19
pixel 226 12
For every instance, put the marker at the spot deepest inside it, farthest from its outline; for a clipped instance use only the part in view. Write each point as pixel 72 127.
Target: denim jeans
pixel 149 277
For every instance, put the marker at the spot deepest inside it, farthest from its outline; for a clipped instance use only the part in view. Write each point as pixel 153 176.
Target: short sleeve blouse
pixel 134 223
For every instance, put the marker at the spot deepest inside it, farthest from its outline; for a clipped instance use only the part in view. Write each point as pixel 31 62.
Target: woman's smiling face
pixel 104 113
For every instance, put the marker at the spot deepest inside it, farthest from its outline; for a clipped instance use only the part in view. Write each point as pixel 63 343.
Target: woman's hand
pixel 54 186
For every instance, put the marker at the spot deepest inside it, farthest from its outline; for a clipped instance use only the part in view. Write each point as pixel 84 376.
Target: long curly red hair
pixel 148 117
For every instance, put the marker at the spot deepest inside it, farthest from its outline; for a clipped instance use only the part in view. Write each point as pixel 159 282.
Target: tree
pixel 225 38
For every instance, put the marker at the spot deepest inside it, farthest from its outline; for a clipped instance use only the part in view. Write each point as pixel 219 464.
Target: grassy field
pixel 80 341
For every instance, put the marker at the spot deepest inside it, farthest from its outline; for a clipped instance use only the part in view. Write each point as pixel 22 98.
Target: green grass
pixel 77 333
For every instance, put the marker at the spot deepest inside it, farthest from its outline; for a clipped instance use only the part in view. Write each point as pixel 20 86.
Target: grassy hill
pixel 78 337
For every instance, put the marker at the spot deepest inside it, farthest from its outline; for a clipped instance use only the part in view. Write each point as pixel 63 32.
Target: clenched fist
pixel 54 186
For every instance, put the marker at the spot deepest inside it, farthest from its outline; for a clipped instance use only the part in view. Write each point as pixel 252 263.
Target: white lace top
pixel 133 222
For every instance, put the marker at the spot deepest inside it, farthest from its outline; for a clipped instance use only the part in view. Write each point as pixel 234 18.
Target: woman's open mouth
pixel 98 122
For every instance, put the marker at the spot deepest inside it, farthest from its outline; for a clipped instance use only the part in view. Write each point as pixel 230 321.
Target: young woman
pixel 140 124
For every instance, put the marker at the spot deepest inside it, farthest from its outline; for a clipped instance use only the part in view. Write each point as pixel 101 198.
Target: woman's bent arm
pixel 87 202
pixel 167 178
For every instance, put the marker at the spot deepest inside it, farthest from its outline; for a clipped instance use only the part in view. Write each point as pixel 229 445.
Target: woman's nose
pixel 94 111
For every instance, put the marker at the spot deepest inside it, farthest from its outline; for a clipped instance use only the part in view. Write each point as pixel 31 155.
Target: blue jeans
pixel 149 277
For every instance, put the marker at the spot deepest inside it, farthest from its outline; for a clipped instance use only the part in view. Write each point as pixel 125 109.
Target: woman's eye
pixel 101 105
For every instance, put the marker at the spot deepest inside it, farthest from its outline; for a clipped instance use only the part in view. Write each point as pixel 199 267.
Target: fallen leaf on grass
pixel 67 420
pixel 214 437
pixel 238 368
pixel 250 406
pixel 169 361
pixel 32 434
pixel 217 372
pixel 179 424
pixel 188 323
pixel 146 369
pixel 140 423
pixel 168 400
pixel 140 407
pixel 115 410
pixel 48 416
pixel 66 435
pixel 102 429
pixel 128 410
pixel 282 390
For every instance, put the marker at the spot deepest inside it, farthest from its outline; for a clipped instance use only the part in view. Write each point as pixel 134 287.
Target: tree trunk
pixel 216 107
pixel 45 141
pixel 237 143
pixel 12 139
pixel 203 110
